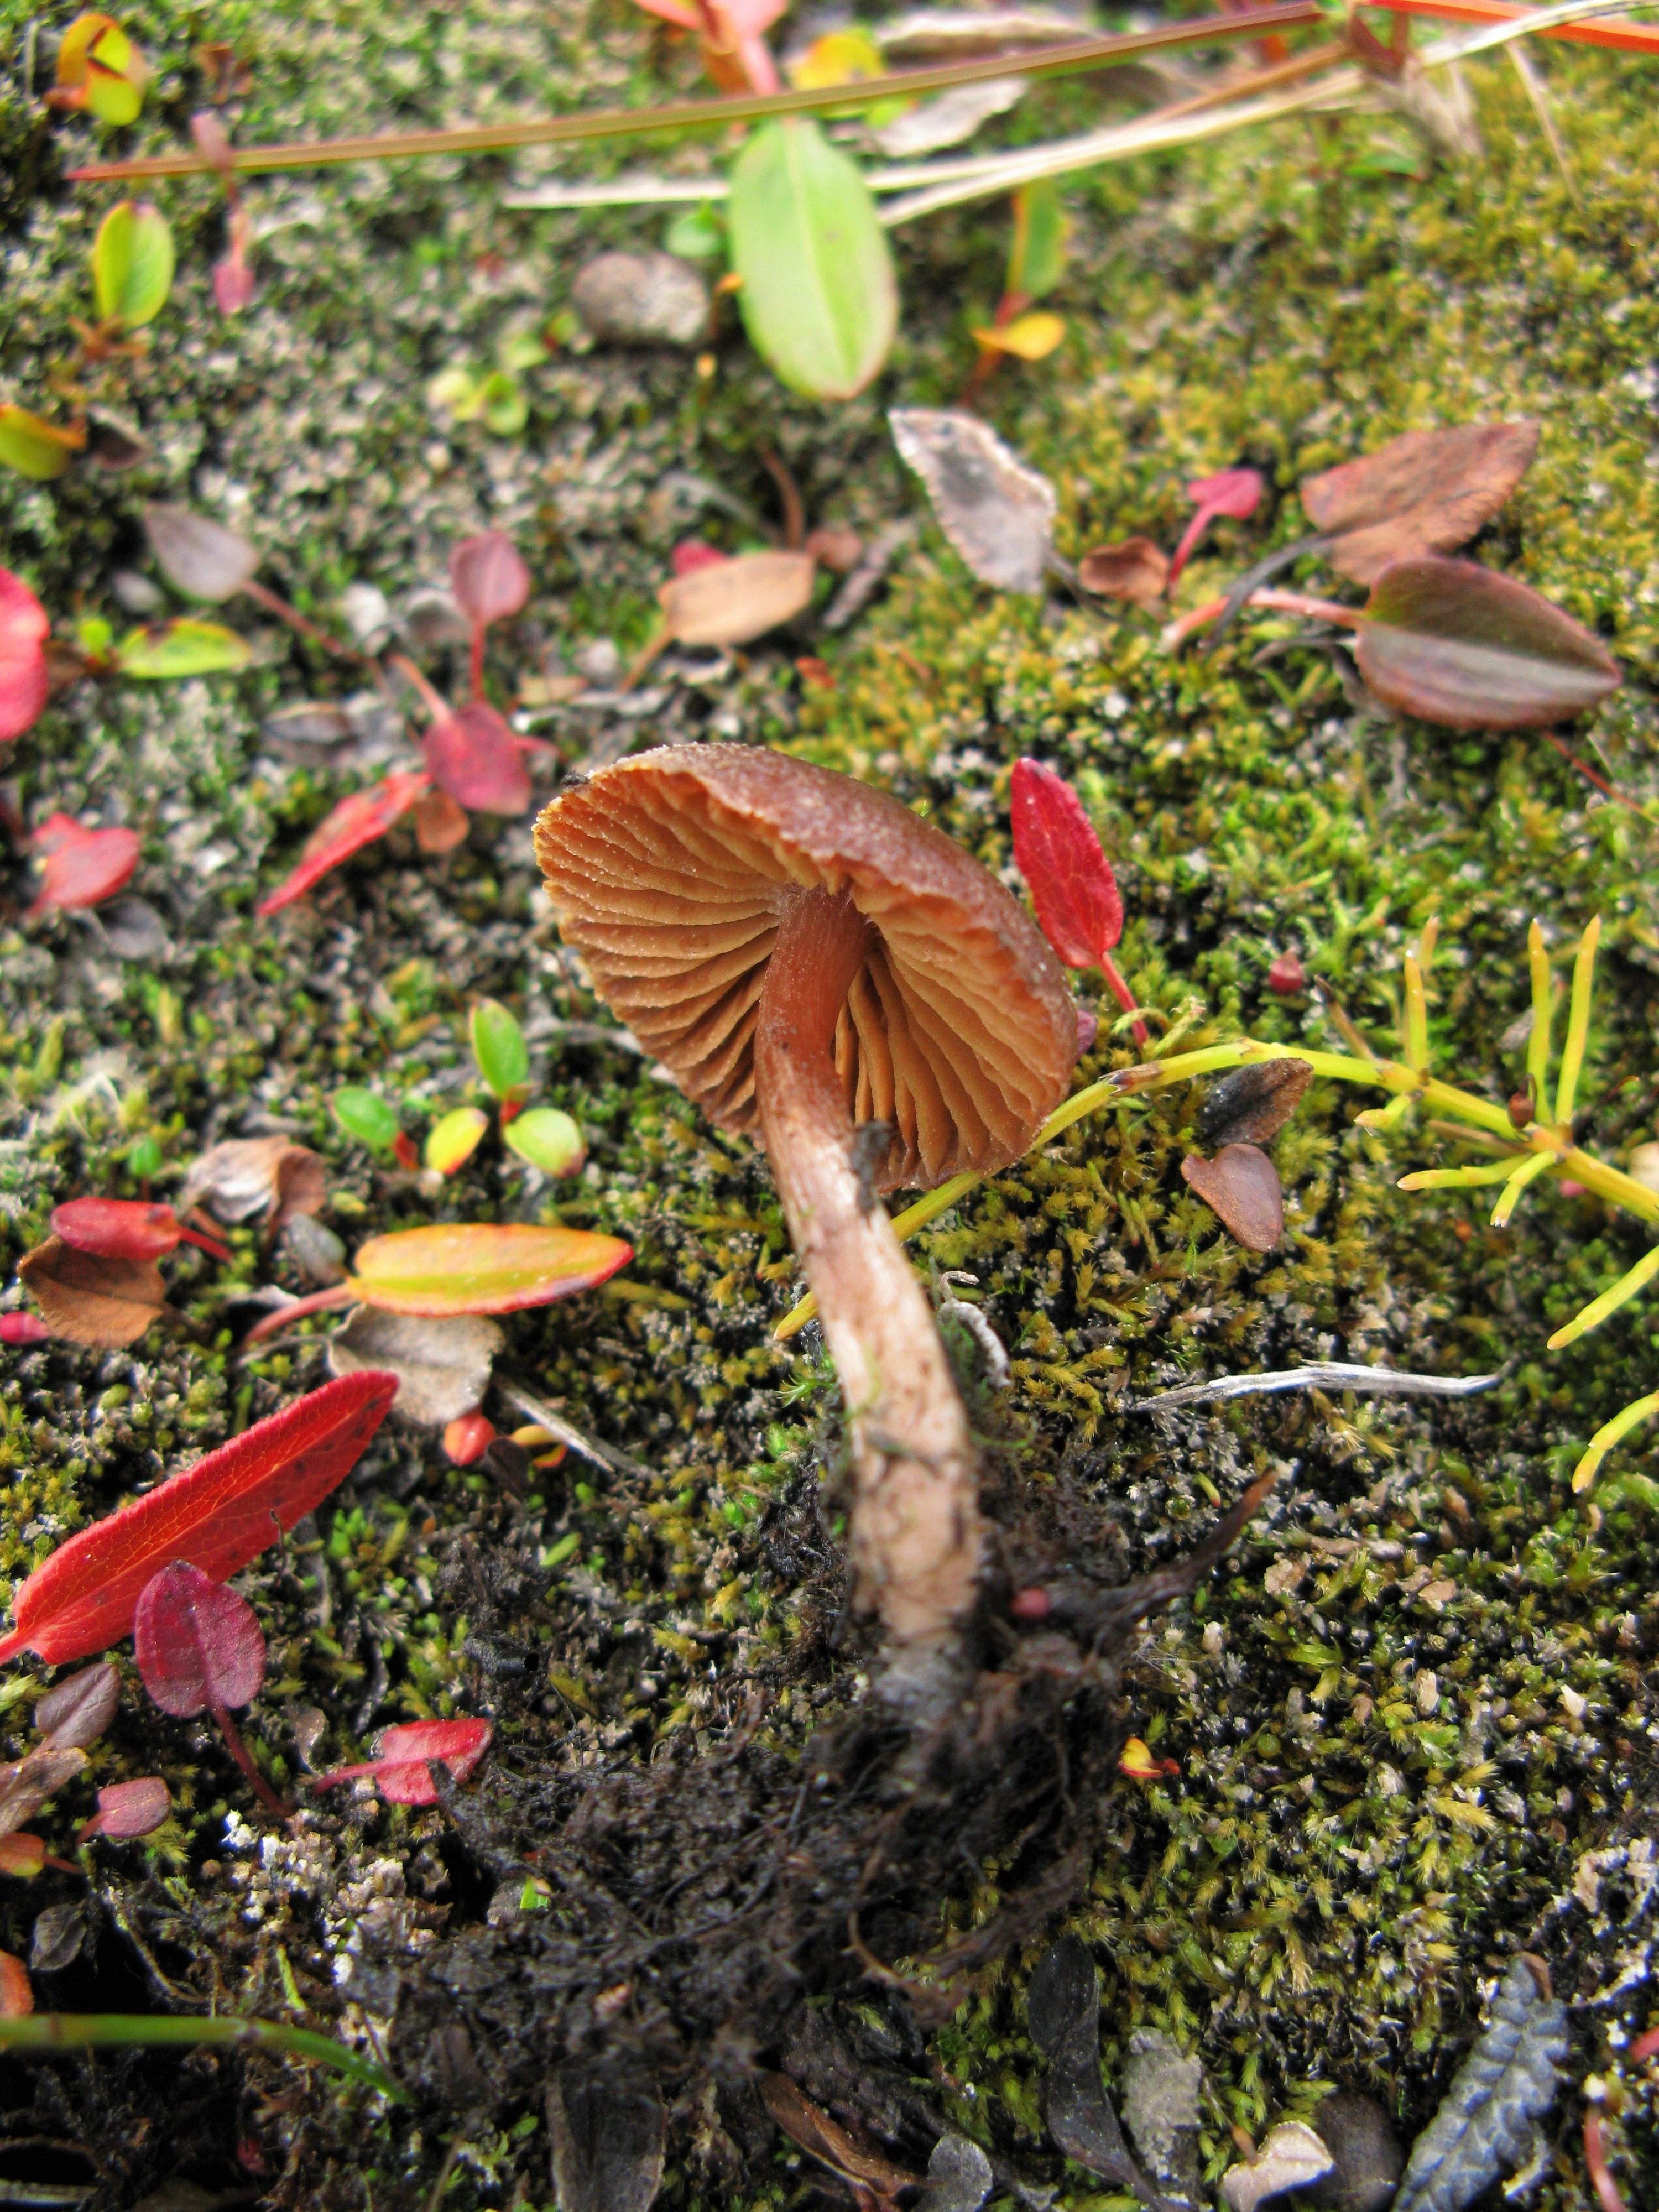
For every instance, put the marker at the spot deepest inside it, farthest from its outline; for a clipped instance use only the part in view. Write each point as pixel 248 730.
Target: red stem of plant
pixel 1645 2047
pixel 477 659
pixel 1289 603
pixel 1607 2188
pixel 1125 997
pixel 337 1294
pixel 61 1866
pixel 239 1752
pixel 435 705
pixel 273 603
pixel 1610 790
pixel 206 1243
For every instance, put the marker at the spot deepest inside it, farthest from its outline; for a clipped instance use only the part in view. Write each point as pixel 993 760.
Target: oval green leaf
pixel 34 448
pixel 1451 642
pixel 182 649
pixel 548 1139
pixel 132 265
pixel 500 1050
pixel 368 1118
pixel 819 298
pixel 483 1267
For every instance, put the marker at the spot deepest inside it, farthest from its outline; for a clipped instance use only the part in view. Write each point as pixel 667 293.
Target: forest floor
pixel 1423 1691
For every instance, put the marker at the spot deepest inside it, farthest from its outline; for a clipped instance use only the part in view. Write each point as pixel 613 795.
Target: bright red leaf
pixel 24 682
pixel 489 577
pixel 354 823
pixel 1078 906
pixel 81 866
pixel 1233 492
pixel 694 553
pixel 198 1644
pixel 219 1513
pixel 399 1768
pixel 475 758
pixel 22 1328
pixel 126 1228
pixel 126 1809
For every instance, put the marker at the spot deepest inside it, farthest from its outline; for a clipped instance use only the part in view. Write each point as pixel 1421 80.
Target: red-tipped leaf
pixel 218 1515
pixel 488 578
pixel 1079 907
pixel 400 1768
pixel 354 823
pixel 483 1267
pixel 24 682
pixel 117 1228
pixel 198 1644
pixel 474 757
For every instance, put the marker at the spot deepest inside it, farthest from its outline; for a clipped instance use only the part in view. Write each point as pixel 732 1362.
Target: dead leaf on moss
pixel 1062 2009
pixel 997 513
pixel 734 602
pixel 442 1366
pixel 827 2141
pixel 1252 1105
pixel 1241 1186
pixel 246 1174
pixel 607 2127
pixel 26 1784
pixel 88 1299
pixel 76 1711
pixel 1136 570
pixel 1428 492
pixel 1291 2158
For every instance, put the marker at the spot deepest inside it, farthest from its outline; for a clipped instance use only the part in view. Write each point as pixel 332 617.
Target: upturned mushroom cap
pixel 668 871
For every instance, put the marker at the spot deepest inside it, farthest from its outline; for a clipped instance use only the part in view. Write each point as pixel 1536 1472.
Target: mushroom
pixel 814 964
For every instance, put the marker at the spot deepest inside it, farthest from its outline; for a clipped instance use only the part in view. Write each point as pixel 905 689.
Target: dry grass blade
pixel 1324 1375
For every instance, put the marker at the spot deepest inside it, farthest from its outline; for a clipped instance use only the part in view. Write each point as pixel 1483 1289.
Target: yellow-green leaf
pixel 819 298
pixel 1029 338
pixel 100 69
pixel 132 263
pixel 35 447
pixel 483 1267
pixel 181 648
pixel 1042 227
pixel 548 1139
pixel 452 1141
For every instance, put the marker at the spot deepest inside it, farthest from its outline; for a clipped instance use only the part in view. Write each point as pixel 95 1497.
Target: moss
pixel 1386 1780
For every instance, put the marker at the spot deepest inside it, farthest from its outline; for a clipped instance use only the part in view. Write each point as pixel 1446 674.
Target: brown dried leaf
pixel 26 1784
pixel 1252 1105
pixel 732 601
pixel 1291 2158
pixel 607 2126
pixel 439 823
pixel 76 1711
pixel 236 1179
pixel 442 1366
pixel 1241 1186
pixel 997 513
pixel 1136 570
pixel 1428 492
pixel 88 1299
pixel 203 559
pixel 826 2140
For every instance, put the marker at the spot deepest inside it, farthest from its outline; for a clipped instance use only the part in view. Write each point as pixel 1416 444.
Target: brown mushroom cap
pixel 667 871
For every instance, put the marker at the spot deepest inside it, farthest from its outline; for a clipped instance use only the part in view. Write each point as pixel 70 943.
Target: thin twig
pixel 1324 1375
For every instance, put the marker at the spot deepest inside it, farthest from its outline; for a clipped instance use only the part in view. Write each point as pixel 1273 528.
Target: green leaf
pixel 546 1137
pixel 696 234
pixel 481 1266
pixel 35 447
pixel 132 265
pixel 366 1117
pixel 506 410
pixel 819 298
pixel 181 648
pixel 499 1047
pixel 1042 227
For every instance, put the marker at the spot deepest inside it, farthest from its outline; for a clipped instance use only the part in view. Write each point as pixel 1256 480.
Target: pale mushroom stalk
pixel 915 1522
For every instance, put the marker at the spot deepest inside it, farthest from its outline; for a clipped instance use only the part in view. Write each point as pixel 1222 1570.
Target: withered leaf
pixel 88 1299
pixel 1427 492
pixel 826 2140
pixel 1355 2130
pixel 1251 1105
pixel 997 513
pixel 1241 1186
pixel 1136 569
pixel 733 602
pixel 440 824
pixel 1484 2128
pixel 442 1365
pixel 1062 2009
pixel 1291 2156
pixel 202 558
pixel 57 1935
pixel 26 1784
pixel 237 1178
pixel 607 2126
pixel 76 1711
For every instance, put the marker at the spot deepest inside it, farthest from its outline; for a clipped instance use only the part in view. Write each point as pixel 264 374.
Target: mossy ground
pixel 1422 1691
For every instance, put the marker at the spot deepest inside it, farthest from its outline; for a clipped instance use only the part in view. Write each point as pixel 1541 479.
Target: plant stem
pixel 1290 603
pixel 239 1752
pixel 337 1294
pixel 274 604
pixel 70 2031
pixel 1630 38
pixel 1073 59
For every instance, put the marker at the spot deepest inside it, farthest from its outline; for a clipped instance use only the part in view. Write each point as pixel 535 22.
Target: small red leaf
pixel 1233 492
pixel 126 1809
pixel 198 1644
pixel 24 682
pixel 399 1768
pixel 16 1998
pixel 117 1228
pixel 1078 906
pixel 81 866
pixel 694 553
pixel 472 756
pixel 22 1328
pixel 489 577
pixel 354 823
pixel 219 1513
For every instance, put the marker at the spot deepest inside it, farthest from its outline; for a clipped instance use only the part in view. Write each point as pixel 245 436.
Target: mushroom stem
pixel 916 1535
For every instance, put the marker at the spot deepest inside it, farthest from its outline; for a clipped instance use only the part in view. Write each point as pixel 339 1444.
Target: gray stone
pixel 642 298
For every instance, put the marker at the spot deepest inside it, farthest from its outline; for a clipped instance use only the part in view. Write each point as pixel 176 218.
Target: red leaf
pixel 219 1513
pixel 82 866
pixel 1233 492
pixel 400 1771
pixel 1078 906
pixel 354 823
pixel 16 1998
pixel 489 577
pixel 126 1809
pixel 23 679
pixel 22 1328
pixel 473 755
pixel 694 553
pixel 117 1228
pixel 197 1645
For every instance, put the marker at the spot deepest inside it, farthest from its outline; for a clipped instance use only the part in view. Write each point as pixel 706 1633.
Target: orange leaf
pixel 218 1515
pixel 482 1266
pixel 16 1998
pixel 354 823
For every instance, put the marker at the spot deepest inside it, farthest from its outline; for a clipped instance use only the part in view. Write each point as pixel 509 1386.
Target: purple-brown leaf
pixel 488 578
pixel 472 756
pixel 126 1809
pixel 1453 643
pixel 1240 1187
pixel 1428 492
pixel 198 1644
pixel 76 1711
pixel 1136 570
